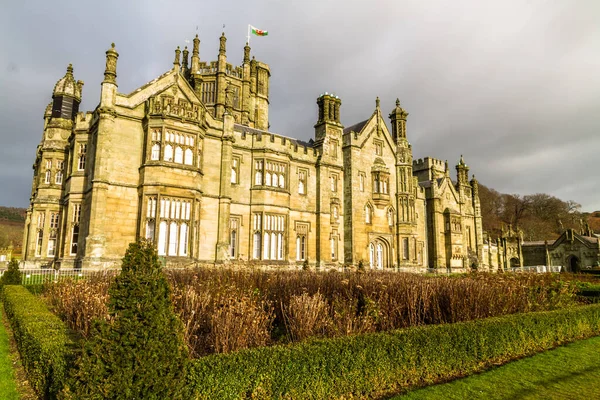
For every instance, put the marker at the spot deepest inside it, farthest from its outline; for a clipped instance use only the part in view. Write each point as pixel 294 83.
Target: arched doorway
pixel 573 264
pixel 378 254
pixel 515 263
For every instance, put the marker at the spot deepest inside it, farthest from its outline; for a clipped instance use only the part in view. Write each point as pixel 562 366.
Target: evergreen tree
pixel 140 353
pixel 12 276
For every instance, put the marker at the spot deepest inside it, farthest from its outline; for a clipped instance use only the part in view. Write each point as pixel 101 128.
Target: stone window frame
pixel 269 236
pixel 303 179
pixel 302 229
pixel 378 144
pixel 82 155
pixel 235 225
pixel 334 179
pixel 173 220
pixel 264 169
pixel 236 161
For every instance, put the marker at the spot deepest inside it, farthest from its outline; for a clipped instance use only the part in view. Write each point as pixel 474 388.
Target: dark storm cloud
pixel 512 85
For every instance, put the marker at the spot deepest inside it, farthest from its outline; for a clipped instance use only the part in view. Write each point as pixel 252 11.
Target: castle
pixel 187 161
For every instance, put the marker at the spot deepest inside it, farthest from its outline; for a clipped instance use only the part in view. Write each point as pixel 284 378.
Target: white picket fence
pixel 39 276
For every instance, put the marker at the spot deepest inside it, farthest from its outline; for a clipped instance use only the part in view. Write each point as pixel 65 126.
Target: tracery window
pixel 271 229
pixel 270 173
pixel 178 147
pixel 173 225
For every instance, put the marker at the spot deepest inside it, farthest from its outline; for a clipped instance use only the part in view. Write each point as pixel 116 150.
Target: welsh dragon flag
pixel 258 32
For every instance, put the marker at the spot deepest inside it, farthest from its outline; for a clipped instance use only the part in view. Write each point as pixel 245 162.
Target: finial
pixel 110 73
pixel 70 69
pixel 377 102
pixel 246 53
pixel 397 102
pixel 222 41
pixel 177 56
pixel 462 161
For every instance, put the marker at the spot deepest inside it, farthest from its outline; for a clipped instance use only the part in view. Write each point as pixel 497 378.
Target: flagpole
pixel 248 37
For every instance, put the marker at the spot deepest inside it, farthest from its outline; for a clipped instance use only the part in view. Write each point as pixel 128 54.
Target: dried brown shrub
pixel 306 316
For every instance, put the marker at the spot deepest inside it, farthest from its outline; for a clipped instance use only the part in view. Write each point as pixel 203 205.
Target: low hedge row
pixel 45 344
pixel 375 365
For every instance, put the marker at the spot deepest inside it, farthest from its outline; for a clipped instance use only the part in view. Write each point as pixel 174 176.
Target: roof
pixel 356 127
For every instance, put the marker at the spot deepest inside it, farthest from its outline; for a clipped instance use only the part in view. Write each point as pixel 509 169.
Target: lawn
pixel 8 389
pixel 568 372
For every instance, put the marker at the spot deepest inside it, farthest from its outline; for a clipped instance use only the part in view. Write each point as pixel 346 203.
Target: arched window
pixel 179 155
pixel 189 157
pixel 368 214
pixel 168 153
pixel 155 152
pixel 379 256
pixel 281 181
pixel 268 178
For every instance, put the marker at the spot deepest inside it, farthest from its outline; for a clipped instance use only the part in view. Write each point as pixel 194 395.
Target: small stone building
pixel 573 251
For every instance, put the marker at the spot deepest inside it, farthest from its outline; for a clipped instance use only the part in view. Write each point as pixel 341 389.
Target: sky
pixel 512 85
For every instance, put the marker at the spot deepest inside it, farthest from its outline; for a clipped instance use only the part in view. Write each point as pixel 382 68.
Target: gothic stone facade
pixel 187 161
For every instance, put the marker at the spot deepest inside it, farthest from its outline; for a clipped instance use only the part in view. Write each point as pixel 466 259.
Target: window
pixel 47 177
pixel 301 247
pixel 74 240
pixel 271 229
pixel 82 155
pixel 41 219
pixel 52 243
pixel 368 214
pixel 334 245
pixel 334 182
pixel 334 148
pixel 173 232
pixel 235 170
pixel 334 212
pixel 189 157
pixel 54 220
pixel 302 181
pixel 405 248
pixel 155 152
pixel 178 155
pixel 208 92
pixel 234 226
pixel 150 217
pixel 168 153
pixel 378 148
pixel 361 181
pixel 380 183
pixel 59 173
pixel 75 229
pixel 40 241
pixel 270 173
pixel 390 217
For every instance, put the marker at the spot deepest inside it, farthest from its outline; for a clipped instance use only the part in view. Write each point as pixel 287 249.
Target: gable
pixel 368 129
pixel 170 83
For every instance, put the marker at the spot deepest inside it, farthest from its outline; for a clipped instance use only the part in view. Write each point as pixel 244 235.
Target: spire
pixel 110 73
pixel 222 41
pixel 246 53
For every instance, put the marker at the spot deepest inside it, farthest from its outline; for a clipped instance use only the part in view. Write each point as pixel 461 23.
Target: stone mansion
pixel 187 161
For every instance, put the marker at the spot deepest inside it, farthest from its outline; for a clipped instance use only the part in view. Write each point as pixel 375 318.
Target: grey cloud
pixel 512 85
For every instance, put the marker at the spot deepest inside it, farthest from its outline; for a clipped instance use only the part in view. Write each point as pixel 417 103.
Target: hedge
pixel 380 364
pixel 45 344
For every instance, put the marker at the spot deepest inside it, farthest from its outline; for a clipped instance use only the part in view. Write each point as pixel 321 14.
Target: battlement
pixel 258 139
pixel 428 163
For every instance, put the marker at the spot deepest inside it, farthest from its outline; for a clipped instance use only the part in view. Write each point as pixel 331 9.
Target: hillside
pixel 12 223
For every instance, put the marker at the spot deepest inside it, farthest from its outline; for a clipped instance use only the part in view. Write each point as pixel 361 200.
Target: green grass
pixel 567 372
pixel 8 388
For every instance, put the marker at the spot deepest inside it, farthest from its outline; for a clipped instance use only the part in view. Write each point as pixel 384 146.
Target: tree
pixel 12 276
pixel 139 353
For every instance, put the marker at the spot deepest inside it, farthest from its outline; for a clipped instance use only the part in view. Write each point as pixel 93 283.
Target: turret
pixel 196 56
pixel 66 96
pixel 184 64
pixel 109 84
pixel 221 77
pixel 398 118
pixel 462 172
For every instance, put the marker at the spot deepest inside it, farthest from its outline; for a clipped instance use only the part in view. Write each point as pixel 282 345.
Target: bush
pixel 45 344
pixel 139 353
pixel 380 364
pixel 12 276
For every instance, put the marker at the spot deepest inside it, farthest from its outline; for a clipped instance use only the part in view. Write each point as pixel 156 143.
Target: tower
pixel 41 235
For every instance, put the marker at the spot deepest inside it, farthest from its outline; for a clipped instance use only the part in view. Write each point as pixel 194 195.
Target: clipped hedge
pixel 380 364
pixel 45 344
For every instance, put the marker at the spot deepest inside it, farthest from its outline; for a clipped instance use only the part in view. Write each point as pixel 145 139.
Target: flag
pixel 258 32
